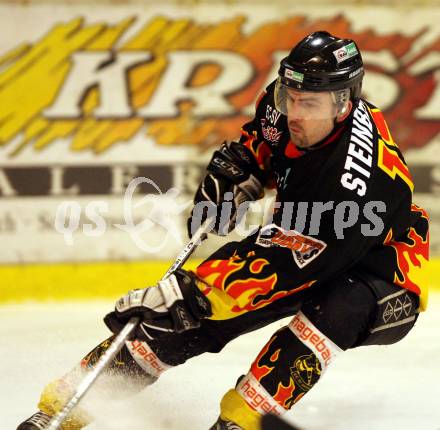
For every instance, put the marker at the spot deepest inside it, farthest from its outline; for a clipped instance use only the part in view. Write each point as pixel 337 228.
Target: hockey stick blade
pixel 84 386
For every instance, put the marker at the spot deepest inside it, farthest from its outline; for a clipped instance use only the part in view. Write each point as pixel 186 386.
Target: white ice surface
pixel 372 388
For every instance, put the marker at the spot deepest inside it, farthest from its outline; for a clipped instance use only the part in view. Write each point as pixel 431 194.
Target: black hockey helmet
pixel 322 62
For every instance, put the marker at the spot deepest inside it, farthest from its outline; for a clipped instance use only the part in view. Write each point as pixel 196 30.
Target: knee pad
pixel 360 309
pixel 396 312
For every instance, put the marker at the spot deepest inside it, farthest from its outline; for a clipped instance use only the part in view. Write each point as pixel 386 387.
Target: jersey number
pixel 388 158
pixel 390 162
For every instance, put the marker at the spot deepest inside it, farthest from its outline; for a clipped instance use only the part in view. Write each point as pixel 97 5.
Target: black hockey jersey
pixel 344 203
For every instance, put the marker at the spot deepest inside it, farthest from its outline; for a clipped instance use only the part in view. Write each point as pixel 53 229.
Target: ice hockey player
pixel 340 255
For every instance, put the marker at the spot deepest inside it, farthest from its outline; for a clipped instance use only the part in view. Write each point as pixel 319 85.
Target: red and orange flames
pixel 215 272
pixel 25 69
pixel 248 292
pixel 284 395
pixel 260 370
pixel 410 254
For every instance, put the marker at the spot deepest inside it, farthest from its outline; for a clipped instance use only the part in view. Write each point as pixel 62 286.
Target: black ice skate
pixel 225 425
pixel 38 421
pixel 272 422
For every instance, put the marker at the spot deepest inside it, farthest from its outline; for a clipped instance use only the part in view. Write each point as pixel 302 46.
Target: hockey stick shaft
pixel 122 336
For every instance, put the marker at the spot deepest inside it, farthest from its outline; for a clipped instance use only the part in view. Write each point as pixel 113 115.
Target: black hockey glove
pixel 232 178
pixel 172 306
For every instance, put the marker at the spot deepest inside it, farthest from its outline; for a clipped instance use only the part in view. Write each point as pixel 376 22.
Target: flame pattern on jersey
pixel 249 284
pixel 410 252
pixel 260 149
pixel 358 162
pixel 390 159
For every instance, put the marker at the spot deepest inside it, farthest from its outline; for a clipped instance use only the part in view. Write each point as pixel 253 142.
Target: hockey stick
pixel 122 336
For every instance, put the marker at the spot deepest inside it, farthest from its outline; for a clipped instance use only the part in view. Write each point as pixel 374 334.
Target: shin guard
pixel 289 365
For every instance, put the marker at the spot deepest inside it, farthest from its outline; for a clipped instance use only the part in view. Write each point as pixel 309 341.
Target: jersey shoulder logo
pixel 270 133
pixel 304 248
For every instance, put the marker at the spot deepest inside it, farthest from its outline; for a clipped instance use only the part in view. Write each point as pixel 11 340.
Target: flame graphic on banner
pixel 32 76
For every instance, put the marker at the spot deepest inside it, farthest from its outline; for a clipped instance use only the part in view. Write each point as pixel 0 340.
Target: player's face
pixel 310 116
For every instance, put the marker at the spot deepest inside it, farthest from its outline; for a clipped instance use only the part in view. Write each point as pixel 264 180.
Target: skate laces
pixel 227 425
pixel 40 419
pixel 232 426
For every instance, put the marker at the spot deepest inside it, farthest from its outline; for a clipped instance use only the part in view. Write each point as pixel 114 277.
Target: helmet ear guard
pixel 341 99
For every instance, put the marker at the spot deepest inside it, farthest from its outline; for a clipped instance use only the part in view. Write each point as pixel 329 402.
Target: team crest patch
pixel 271 134
pixel 306 371
pixel 304 248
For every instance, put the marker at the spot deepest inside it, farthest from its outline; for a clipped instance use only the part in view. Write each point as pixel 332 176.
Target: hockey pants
pixel 354 310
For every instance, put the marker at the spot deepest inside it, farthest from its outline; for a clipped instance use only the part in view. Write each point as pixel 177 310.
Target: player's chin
pixel 298 139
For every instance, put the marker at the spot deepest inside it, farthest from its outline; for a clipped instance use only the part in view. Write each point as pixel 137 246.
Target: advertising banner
pixel 91 98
